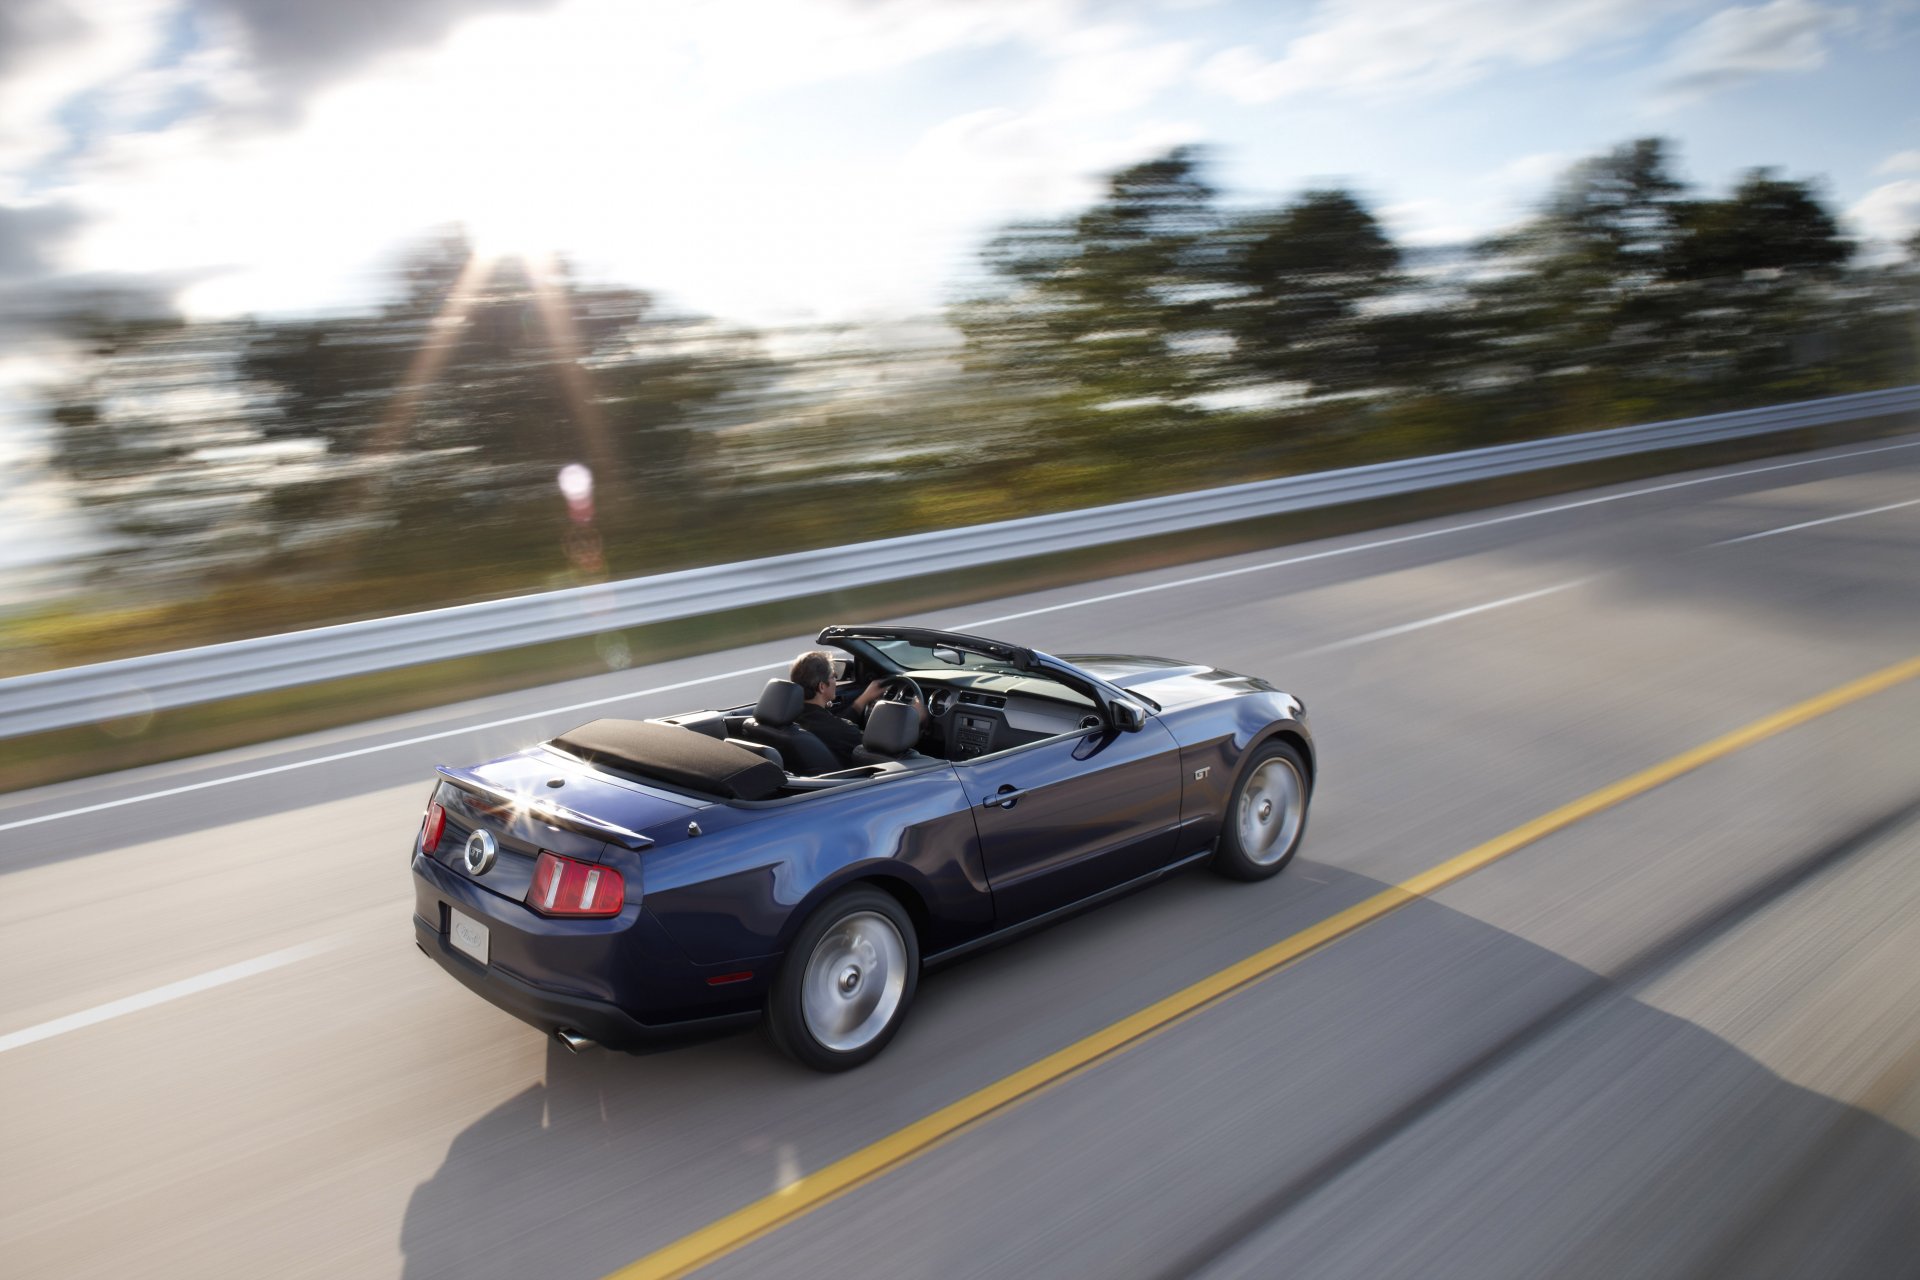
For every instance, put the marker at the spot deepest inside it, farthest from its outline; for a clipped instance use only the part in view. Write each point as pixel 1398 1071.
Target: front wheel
pixel 1267 815
pixel 847 981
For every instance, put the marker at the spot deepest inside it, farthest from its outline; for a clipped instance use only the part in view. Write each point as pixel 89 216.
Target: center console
pixel 971 735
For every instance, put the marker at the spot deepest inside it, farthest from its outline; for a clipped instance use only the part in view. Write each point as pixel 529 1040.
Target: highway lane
pixel 1611 1054
pixel 357 1113
pixel 1740 1097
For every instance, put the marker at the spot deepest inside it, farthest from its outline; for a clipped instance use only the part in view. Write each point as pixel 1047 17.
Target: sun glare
pixel 510 227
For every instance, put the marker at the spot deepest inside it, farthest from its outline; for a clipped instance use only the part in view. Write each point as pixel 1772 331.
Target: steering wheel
pixel 901 689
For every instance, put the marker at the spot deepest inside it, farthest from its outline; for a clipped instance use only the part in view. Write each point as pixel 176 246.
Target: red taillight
pixel 430 829
pixel 563 887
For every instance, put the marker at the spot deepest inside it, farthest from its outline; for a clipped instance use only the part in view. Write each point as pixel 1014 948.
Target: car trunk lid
pixel 538 801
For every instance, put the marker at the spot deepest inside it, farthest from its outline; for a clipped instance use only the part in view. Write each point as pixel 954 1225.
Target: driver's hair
pixel 809 669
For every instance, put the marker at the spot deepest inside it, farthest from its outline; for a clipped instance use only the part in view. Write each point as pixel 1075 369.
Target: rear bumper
pixel 550 1011
pixel 618 981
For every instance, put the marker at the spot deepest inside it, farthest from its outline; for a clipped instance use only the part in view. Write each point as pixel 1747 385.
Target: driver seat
pixel 892 729
pixel 772 724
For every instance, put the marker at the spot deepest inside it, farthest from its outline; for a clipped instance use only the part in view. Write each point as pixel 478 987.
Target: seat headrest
pixel 892 728
pixel 780 704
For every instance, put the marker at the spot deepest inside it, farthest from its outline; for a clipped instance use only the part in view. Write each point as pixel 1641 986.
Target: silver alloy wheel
pixel 1272 807
pixel 854 981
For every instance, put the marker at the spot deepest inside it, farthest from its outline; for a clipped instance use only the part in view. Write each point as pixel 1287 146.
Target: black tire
pixel 1255 844
pixel 847 953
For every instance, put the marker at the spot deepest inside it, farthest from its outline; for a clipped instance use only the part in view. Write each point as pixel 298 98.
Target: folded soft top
pixel 677 756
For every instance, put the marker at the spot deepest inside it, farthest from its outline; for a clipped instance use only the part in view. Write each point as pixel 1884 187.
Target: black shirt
pixel 840 735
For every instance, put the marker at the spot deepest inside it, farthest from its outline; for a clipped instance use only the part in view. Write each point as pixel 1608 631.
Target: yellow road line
pixel 722 1237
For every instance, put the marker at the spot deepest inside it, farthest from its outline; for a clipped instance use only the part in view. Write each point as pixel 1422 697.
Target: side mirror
pixel 842 670
pixel 1130 716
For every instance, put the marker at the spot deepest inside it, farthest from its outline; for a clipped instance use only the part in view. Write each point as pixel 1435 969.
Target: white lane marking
pixel 1433 533
pixel 172 991
pixel 1808 524
pixel 384 746
pixel 983 622
pixel 1439 618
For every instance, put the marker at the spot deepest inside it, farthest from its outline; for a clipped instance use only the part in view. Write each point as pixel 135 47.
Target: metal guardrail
pixel 132 686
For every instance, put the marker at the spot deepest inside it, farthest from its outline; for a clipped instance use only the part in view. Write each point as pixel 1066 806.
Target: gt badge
pixel 480 852
pixel 1200 774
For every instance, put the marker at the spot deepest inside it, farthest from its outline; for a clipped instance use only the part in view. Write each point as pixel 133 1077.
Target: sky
pixel 784 160
pixel 781 162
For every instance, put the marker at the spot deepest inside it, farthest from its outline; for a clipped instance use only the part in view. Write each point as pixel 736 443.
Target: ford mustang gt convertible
pixel 632 881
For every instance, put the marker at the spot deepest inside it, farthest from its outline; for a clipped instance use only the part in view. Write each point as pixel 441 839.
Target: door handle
pixel 1002 799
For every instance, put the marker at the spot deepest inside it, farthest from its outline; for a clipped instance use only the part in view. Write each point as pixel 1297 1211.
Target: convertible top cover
pixel 677 756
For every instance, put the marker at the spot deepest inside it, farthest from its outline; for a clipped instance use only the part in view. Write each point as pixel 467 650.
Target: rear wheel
pixel 1267 815
pixel 847 981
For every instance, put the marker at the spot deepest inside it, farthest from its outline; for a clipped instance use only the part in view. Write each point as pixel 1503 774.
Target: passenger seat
pixel 892 730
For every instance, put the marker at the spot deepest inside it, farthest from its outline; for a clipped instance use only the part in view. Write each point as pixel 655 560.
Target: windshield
pixel 919 657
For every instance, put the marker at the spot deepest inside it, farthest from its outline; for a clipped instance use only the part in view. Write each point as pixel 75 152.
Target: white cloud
pixel 618 132
pixel 71 49
pixel 1481 205
pixel 1424 223
pixel 1530 175
pixel 651 141
pixel 758 46
pixel 204 80
pixel 1386 47
pixel 1109 70
pixel 1890 212
pixel 996 164
pixel 1026 163
pixel 1740 44
pixel 1900 162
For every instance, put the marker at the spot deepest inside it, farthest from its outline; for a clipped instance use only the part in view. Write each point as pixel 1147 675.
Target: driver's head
pixel 813 672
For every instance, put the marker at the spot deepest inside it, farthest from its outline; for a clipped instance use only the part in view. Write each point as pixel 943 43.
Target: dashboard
pixel 977 714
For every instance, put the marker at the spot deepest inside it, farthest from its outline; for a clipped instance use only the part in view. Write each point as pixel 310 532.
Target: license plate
pixel 467 934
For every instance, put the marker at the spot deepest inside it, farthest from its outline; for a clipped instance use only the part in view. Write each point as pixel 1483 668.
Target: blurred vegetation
pixel 89 750
pixel 501 426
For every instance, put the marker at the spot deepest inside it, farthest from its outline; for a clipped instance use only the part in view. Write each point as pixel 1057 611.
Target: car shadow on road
pixel 1655 1146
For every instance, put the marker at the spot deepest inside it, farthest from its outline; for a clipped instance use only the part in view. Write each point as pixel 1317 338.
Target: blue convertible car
pixel 635 880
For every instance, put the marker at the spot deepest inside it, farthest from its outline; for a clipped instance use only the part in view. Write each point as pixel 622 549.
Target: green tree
pixel 478 385
pixel 1304 276
pixel 160 440
pixel 1769 224
pixel 1585 288
pixel 1109 306
pixel 432 430
pixel 1758 274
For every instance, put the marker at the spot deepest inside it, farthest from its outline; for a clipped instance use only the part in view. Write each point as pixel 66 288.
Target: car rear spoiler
pixel 546 810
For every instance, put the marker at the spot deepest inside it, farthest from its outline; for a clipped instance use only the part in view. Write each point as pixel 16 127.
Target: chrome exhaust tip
pixel 574 1041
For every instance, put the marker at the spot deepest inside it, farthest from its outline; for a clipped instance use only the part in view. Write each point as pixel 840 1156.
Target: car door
pixel 1062 819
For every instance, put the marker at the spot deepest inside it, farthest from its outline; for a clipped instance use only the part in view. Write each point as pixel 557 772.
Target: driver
pixel 813 672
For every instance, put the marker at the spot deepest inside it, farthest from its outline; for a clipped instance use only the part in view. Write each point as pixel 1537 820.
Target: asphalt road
pixel 1680 1037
